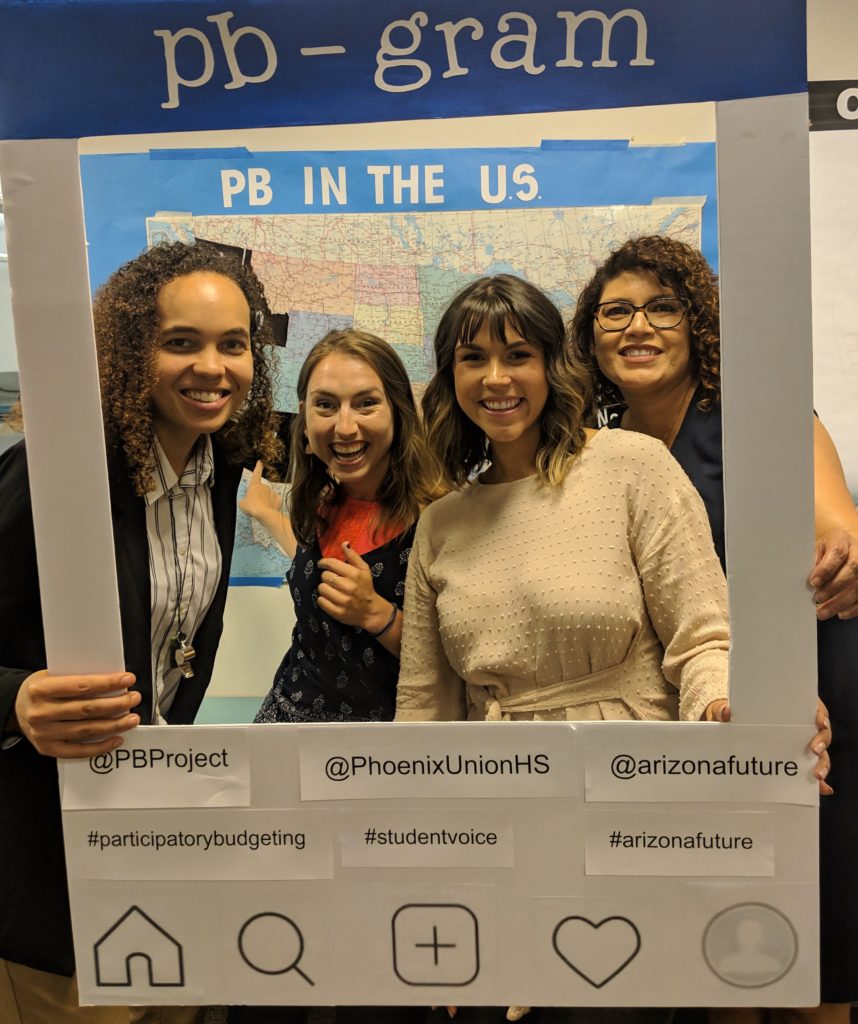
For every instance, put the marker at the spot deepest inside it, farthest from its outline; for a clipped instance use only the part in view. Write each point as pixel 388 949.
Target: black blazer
pixel 35 925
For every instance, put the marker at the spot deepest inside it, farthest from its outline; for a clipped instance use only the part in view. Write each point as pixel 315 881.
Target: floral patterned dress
pixel 333 672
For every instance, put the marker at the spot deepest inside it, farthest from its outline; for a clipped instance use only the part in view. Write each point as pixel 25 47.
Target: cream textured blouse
pixel 598 599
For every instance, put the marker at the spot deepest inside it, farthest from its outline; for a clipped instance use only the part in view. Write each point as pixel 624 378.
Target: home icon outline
pixel 136 934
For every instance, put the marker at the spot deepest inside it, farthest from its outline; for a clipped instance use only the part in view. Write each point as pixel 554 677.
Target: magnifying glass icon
pixel 272 943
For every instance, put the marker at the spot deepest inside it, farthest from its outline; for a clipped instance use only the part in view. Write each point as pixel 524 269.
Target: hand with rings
pixel 347 593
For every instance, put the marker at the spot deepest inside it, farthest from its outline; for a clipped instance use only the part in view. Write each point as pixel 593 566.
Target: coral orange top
pixel 359 523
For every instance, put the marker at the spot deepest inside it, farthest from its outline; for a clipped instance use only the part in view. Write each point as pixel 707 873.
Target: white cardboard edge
pixel 52 314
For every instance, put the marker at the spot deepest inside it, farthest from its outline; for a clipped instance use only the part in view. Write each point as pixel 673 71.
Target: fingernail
pixel 822 773
pixel 815 581
pixel 826 723
pixel 818 749
pixel 127 679
pixel 823 613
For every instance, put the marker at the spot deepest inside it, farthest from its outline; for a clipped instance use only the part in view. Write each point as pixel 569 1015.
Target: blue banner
pixel 122 192
pixel 382 239
pixel 70 68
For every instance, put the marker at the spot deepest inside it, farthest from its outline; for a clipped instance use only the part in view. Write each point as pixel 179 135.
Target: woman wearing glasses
pixel 647 326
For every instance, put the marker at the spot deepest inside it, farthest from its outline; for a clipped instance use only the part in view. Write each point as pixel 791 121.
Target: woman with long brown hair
pixel 360 474
pixel 537 495
pixel 570 575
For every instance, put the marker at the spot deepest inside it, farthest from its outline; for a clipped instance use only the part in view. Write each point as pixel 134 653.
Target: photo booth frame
pixel 188 66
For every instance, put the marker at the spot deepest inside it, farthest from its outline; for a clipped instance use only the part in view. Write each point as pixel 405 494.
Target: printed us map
pixel 393 273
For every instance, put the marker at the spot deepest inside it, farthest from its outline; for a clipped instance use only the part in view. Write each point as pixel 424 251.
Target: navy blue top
pixel 333 672
pixel 697 448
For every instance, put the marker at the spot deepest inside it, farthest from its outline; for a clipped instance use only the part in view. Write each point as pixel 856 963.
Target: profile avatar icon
pixel 750 945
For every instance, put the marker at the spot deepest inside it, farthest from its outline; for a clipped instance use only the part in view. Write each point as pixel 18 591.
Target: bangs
pixel 488 310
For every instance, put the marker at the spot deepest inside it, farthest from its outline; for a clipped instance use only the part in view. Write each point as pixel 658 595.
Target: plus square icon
pixel 435 944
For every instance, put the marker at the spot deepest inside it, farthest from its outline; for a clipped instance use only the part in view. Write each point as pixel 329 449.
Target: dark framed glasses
pixel 662 314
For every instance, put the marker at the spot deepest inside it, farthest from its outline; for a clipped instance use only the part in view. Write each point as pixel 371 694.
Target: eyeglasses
pixel 662 314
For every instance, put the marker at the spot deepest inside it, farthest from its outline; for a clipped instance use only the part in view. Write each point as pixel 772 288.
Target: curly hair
pixel 499 303
pixel 414 478
pixel 685 271
pixel 126 325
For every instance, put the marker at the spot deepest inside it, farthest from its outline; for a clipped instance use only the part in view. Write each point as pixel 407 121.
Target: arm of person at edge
pixel 73 716
pixel 265 505
pixel 834 577
pixel 428 688
pixel 347 594
pixel 719 711
pixel 671 558
pixel 55 713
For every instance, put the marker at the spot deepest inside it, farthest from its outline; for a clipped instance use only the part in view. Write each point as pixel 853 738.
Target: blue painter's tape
pixel 255 581
pixel 230 153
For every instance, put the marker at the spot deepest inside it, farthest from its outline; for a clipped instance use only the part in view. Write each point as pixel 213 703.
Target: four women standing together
pixel 568 574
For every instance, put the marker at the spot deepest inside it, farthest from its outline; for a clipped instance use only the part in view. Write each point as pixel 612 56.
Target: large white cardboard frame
pixel 766 323
pixel 764 254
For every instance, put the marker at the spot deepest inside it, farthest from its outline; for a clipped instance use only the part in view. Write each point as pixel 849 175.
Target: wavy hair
pixel 499 303
pixel 126 327
pixel 685 271
pixel 414 477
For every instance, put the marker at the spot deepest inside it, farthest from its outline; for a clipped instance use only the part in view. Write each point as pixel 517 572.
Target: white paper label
pixel 206 845
pixel 659 842
pixel 421 761
pixel 689 762
pixel 163 766
pixel 424 839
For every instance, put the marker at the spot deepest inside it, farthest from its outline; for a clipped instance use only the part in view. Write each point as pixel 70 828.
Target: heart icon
pixel 596 952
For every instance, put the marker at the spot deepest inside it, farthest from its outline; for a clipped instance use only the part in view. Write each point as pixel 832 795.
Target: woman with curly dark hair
pixel 689 281
pixel 186 388
pixel 647 326
pixel 126 318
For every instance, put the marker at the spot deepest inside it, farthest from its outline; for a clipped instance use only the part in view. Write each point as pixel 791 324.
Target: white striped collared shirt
pixel 184 562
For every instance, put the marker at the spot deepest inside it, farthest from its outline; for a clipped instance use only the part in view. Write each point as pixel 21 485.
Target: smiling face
pixel 642 358
pixel 349 423
pixel 502 388
pixel 204 362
